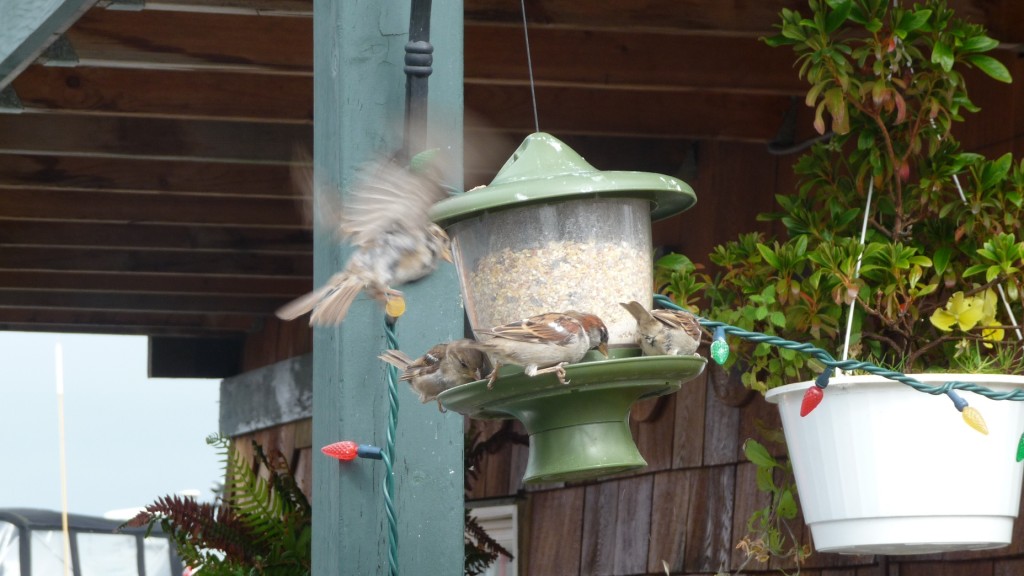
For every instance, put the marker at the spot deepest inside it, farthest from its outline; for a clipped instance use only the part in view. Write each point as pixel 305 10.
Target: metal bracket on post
pixel 9 101
pixel 419 59
pixel 60 54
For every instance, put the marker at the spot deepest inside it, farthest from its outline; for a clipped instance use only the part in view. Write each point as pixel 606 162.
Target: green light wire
pixel 387 454
pixel 825 358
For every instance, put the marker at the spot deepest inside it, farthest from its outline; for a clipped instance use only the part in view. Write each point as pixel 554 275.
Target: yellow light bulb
pixel 395 306
pixel 974 419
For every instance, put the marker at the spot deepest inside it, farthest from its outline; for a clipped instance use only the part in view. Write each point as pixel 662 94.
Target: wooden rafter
pixel 159 166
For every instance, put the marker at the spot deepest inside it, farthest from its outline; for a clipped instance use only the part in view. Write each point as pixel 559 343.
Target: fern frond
pixel 197 527
pixel 259 529
pixel 253 501
pixel 482 539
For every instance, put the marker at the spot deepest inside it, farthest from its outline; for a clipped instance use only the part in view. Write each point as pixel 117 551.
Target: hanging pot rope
pixel 856 270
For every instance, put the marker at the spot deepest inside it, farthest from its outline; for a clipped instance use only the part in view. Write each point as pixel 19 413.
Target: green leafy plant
pixel 263 526
pixel 924 288
pixel 940 238
pixel 259 527
pixel 768 529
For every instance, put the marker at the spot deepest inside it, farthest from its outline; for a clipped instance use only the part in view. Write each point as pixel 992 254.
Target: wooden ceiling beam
pixel 150 208
pixel 565 57
pixel 155 237
pixel 139 174
pixel 167 93
pixel 107 322
pixel 678 16
pixel 119 282
pixel 152 138
pixel 154 261
pixel 137 302
pixel 732 19
pixel 629 59
pixel 697 16
pixel 302 8
pixel 180 40
pixel 668 113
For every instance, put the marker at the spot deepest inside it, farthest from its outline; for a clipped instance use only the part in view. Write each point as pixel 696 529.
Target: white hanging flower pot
pixel 884 469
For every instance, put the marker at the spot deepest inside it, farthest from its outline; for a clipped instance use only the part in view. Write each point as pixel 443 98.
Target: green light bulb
pixel 720 351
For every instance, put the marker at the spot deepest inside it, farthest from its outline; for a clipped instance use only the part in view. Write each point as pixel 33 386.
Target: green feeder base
pixel 578 430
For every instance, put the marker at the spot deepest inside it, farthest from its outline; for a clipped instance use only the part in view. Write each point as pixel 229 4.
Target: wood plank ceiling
pixel 144 189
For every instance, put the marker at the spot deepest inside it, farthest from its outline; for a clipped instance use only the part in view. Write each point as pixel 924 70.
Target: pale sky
pixel 129 439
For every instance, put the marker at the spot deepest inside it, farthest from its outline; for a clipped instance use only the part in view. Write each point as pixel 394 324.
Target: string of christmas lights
pixel 815 394
pixel 347 450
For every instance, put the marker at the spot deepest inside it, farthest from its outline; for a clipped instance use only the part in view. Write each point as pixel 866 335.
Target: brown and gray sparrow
pixel 665 332
pixel 544 343
pixel 443 366
pixel 385 219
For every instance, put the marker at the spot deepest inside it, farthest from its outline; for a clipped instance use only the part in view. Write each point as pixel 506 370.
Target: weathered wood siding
pixel 293 440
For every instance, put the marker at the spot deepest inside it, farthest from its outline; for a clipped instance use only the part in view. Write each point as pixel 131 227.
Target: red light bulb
pixel 811 400
pixel 346 450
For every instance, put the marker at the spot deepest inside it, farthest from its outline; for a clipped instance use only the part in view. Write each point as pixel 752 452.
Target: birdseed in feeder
pixel 564 275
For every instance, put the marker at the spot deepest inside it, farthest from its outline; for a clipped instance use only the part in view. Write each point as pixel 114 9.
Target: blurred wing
pixel 324 207
pixel 544 329
pixel 302 304
pixel 385 197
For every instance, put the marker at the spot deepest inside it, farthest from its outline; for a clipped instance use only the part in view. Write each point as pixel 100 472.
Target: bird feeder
pixel 552 233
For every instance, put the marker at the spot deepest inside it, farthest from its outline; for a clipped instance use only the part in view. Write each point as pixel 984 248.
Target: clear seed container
pixel 585 255
pixel 552 233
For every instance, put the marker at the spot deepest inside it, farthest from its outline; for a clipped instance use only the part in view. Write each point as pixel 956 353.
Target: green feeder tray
pixel 578 430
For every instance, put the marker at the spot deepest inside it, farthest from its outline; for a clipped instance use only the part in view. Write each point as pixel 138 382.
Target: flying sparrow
pixel 385 219
pixel 544 343
pixel 665 332
pixel 443 366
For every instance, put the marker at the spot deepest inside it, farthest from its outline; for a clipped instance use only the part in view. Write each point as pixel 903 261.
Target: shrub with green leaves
pixel 887 82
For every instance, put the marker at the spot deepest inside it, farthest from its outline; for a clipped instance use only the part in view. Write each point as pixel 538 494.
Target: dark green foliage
pixel 260 527
pixel 263 526
pixel 886 82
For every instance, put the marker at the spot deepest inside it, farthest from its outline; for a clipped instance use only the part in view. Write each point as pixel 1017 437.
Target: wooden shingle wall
pixel 688 509
pixel 293 440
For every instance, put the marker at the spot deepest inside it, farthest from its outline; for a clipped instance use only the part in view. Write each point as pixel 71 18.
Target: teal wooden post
pixel 358 110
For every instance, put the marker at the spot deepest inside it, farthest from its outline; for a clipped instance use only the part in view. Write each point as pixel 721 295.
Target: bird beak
pixel 603 348
pixel 446 253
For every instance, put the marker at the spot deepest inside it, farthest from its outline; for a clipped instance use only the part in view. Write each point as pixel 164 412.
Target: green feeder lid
pixel 543 170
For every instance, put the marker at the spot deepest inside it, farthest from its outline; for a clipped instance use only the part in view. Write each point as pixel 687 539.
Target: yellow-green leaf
pixel 758 454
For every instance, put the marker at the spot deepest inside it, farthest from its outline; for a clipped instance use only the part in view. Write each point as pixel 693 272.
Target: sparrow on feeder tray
pixel 443 366
pixel 665 332
pixel 385 219
pixel 544 343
